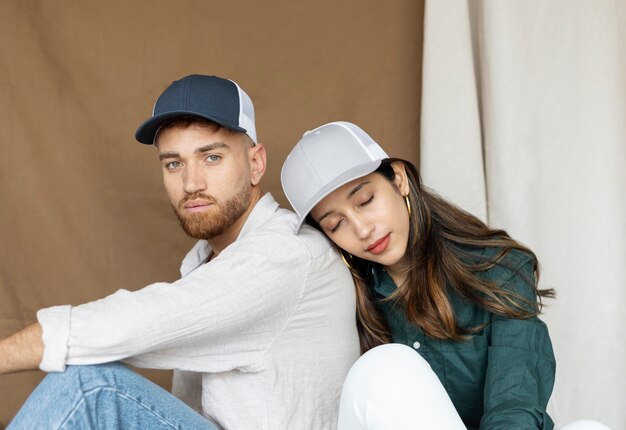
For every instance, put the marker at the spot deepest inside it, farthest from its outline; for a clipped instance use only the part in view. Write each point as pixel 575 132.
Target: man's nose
pixel 193 181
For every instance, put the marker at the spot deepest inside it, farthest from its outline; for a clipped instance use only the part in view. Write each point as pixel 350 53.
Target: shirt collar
pixel 262 211
pixel 383 284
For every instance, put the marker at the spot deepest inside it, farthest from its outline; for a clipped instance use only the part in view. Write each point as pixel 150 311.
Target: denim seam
pixel 121 394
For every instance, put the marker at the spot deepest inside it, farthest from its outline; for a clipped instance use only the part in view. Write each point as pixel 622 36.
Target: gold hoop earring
pixel 408 204
pixel 345 260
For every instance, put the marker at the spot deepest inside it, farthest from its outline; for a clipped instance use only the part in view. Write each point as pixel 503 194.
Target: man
pixel 260 329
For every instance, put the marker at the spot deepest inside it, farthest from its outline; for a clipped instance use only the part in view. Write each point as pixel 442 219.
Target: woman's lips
pixel 380 245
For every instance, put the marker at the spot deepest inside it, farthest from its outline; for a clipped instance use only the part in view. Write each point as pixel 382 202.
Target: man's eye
pixel 173 165
pixel 213 158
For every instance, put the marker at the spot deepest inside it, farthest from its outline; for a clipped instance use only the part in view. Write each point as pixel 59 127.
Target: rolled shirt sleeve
pixel 55 324
pixel 223 315
pixel 520 369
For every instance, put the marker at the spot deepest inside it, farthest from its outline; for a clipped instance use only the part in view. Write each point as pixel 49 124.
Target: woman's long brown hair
pixel 440 234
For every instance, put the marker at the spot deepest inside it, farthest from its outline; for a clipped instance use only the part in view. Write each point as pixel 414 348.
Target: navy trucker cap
pixel 216 99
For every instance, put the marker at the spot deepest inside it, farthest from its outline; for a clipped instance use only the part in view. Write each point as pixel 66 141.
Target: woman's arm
pixel 521 367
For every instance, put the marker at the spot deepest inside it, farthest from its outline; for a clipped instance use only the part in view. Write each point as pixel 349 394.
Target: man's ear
pixel 400 180
pixel 258 163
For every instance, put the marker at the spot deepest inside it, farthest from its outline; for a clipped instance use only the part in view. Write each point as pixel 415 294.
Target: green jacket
pixel 502 376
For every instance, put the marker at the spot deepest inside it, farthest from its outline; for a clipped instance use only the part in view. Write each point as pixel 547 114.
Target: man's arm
pixel 22 350
pixel 210 320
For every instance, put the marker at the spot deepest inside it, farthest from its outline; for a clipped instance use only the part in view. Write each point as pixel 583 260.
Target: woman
pixel 435 280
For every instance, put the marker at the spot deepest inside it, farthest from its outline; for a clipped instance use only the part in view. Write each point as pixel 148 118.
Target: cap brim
pixel 350 175
pixel 147 131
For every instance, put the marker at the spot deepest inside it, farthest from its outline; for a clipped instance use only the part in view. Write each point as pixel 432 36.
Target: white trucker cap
pixel 325 159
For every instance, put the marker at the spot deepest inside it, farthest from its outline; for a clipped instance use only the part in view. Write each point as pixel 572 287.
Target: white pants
pixel 585 425
pixel 393 387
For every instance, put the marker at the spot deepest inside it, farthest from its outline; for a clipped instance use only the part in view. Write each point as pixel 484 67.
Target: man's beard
pixel 217 219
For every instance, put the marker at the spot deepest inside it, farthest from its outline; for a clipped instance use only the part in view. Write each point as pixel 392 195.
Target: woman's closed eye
pixel 336 227
pixel 367 202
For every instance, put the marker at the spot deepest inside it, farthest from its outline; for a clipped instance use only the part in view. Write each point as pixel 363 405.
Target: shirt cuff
pixel 55 325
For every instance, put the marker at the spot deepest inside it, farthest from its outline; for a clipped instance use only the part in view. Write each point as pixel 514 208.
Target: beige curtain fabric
pixel 453 158
pixel 549 80
pixel 83 212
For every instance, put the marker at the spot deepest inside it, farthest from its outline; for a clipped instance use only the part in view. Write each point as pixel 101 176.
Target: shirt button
pixel 416 345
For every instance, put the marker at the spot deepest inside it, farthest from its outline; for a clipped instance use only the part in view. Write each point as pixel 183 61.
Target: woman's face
pixel 368 218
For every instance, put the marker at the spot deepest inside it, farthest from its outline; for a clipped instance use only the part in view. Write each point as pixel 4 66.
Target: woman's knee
pixel 585 425
pixel 389 364
pixel 388 387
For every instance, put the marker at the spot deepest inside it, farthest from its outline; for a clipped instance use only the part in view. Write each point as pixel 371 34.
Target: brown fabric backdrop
pixel 83 212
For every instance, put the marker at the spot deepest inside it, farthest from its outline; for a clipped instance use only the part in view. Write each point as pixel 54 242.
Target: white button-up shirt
pixel 265 331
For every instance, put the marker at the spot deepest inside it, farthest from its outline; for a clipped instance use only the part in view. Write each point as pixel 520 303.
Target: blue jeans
pixel 105 396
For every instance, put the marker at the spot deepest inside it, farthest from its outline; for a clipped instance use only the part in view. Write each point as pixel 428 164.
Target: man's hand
pixel 22 350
